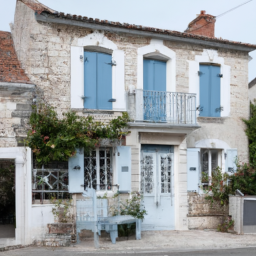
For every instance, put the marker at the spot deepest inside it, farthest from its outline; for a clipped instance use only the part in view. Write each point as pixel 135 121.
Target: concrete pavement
pixel 153 241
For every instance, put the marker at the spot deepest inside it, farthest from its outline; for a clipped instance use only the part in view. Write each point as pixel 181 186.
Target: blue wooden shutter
pixel 209 91
pixel 104 81
pixel 90 80
pixel 215 91
pixel 204 90
pixel 230 163
pixel 193 165
pixel 154 75
pixel 123 165
pixel 148 75
pixel 160 76
pixel 76 175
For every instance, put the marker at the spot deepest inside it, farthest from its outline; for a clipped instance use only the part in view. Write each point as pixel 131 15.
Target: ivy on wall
pixel 251 134
pixel 52 138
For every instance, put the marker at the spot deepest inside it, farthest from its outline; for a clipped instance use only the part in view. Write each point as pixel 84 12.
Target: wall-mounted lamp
pixel 81 57
pixel 225 155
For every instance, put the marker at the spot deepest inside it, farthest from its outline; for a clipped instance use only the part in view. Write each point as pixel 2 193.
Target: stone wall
pixel 14 117
pixel 202 214
pixel 44 52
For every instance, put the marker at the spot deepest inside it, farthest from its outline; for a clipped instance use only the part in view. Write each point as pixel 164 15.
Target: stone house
pixel 252 90
pixel 16 94
pixel 185 92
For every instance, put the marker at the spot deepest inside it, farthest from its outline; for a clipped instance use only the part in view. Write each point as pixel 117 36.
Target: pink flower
pixel 33 131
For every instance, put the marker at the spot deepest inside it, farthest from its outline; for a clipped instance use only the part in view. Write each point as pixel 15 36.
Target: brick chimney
pixel 203 24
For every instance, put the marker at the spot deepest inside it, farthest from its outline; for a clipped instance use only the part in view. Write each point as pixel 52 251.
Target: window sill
pixel 204 119
pixel 96 111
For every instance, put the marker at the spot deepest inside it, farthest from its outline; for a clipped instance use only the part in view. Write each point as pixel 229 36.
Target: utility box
pixel 242 209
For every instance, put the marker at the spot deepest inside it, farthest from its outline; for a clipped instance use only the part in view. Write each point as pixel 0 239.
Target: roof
pixel 10 69
pixel 35 5
pixel 252 83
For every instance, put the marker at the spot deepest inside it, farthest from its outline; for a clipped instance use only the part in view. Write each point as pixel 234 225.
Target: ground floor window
pixel 210 160
pixel 98 172
pixel 49 181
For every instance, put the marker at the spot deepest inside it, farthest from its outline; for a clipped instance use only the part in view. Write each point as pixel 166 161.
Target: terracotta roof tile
pixel 35 5
pixel 10 69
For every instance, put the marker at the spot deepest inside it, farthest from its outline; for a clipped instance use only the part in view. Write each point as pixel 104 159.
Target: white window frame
pixel 157 47
pixel 220 152
pixel 211 56
pixel 97 150
pixel 96 39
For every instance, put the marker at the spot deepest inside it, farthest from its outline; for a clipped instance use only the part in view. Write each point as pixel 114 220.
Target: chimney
pixel 203 25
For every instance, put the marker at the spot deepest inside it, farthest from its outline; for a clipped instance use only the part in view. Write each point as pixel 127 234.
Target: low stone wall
pixel 202 214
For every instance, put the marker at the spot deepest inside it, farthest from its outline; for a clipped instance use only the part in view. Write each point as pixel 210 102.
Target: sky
pixel 237 25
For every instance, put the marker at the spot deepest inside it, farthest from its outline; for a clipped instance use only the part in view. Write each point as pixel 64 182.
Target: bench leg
pixel 138 229
pixel 113 236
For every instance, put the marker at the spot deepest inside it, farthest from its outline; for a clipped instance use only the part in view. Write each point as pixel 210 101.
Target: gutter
pixel 56 20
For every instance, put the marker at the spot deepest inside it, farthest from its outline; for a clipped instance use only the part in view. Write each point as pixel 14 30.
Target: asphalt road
pixel 67 252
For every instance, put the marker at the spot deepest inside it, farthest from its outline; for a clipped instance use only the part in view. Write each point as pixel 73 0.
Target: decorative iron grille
pixel 50 181
pixel 147 174
pixel 98 169
pixel 167 107
pixel 166 173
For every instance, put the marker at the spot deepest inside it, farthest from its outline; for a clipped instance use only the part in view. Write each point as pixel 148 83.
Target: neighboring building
pixel 185 92
pixel 16 94
pixel 252 90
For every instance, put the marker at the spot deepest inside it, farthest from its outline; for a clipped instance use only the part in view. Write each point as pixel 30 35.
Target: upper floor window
pixel 210 99
pixel 97 80
pixel 154 75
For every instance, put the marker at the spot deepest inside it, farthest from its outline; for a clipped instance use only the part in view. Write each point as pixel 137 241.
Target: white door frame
pixel 23 192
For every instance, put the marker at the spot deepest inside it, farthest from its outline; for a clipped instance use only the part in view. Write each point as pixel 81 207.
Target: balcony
pixel 163 107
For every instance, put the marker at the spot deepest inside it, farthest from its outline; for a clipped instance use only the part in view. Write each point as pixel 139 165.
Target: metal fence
pixel 166 107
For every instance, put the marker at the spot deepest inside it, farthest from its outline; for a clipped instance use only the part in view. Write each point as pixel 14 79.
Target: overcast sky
pixel 238 25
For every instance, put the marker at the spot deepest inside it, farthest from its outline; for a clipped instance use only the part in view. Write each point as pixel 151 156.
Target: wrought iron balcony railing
pixel 163 107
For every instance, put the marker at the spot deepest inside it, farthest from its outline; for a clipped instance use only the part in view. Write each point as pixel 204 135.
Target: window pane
pixel 214 160
pixel 103 162
pixel 105 169
pixel 90 175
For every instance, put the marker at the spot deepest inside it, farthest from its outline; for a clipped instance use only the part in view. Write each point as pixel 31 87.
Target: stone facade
pixel 44 53
pixel 44 50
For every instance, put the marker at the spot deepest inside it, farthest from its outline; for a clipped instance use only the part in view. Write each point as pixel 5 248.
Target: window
pixel 154 75
pixel 154 90
pixel 210 76
pixel 97 80
pixel 210 160
pixel 49 181
pixel 98 169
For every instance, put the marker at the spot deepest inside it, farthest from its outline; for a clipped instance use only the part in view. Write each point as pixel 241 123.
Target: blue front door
pixel 97 80
pixel 210 91
pixel 154 86
pixel 157 186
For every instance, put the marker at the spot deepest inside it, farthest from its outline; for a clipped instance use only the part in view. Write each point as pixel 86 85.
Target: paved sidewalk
pixel 192 239
pixel 155 241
